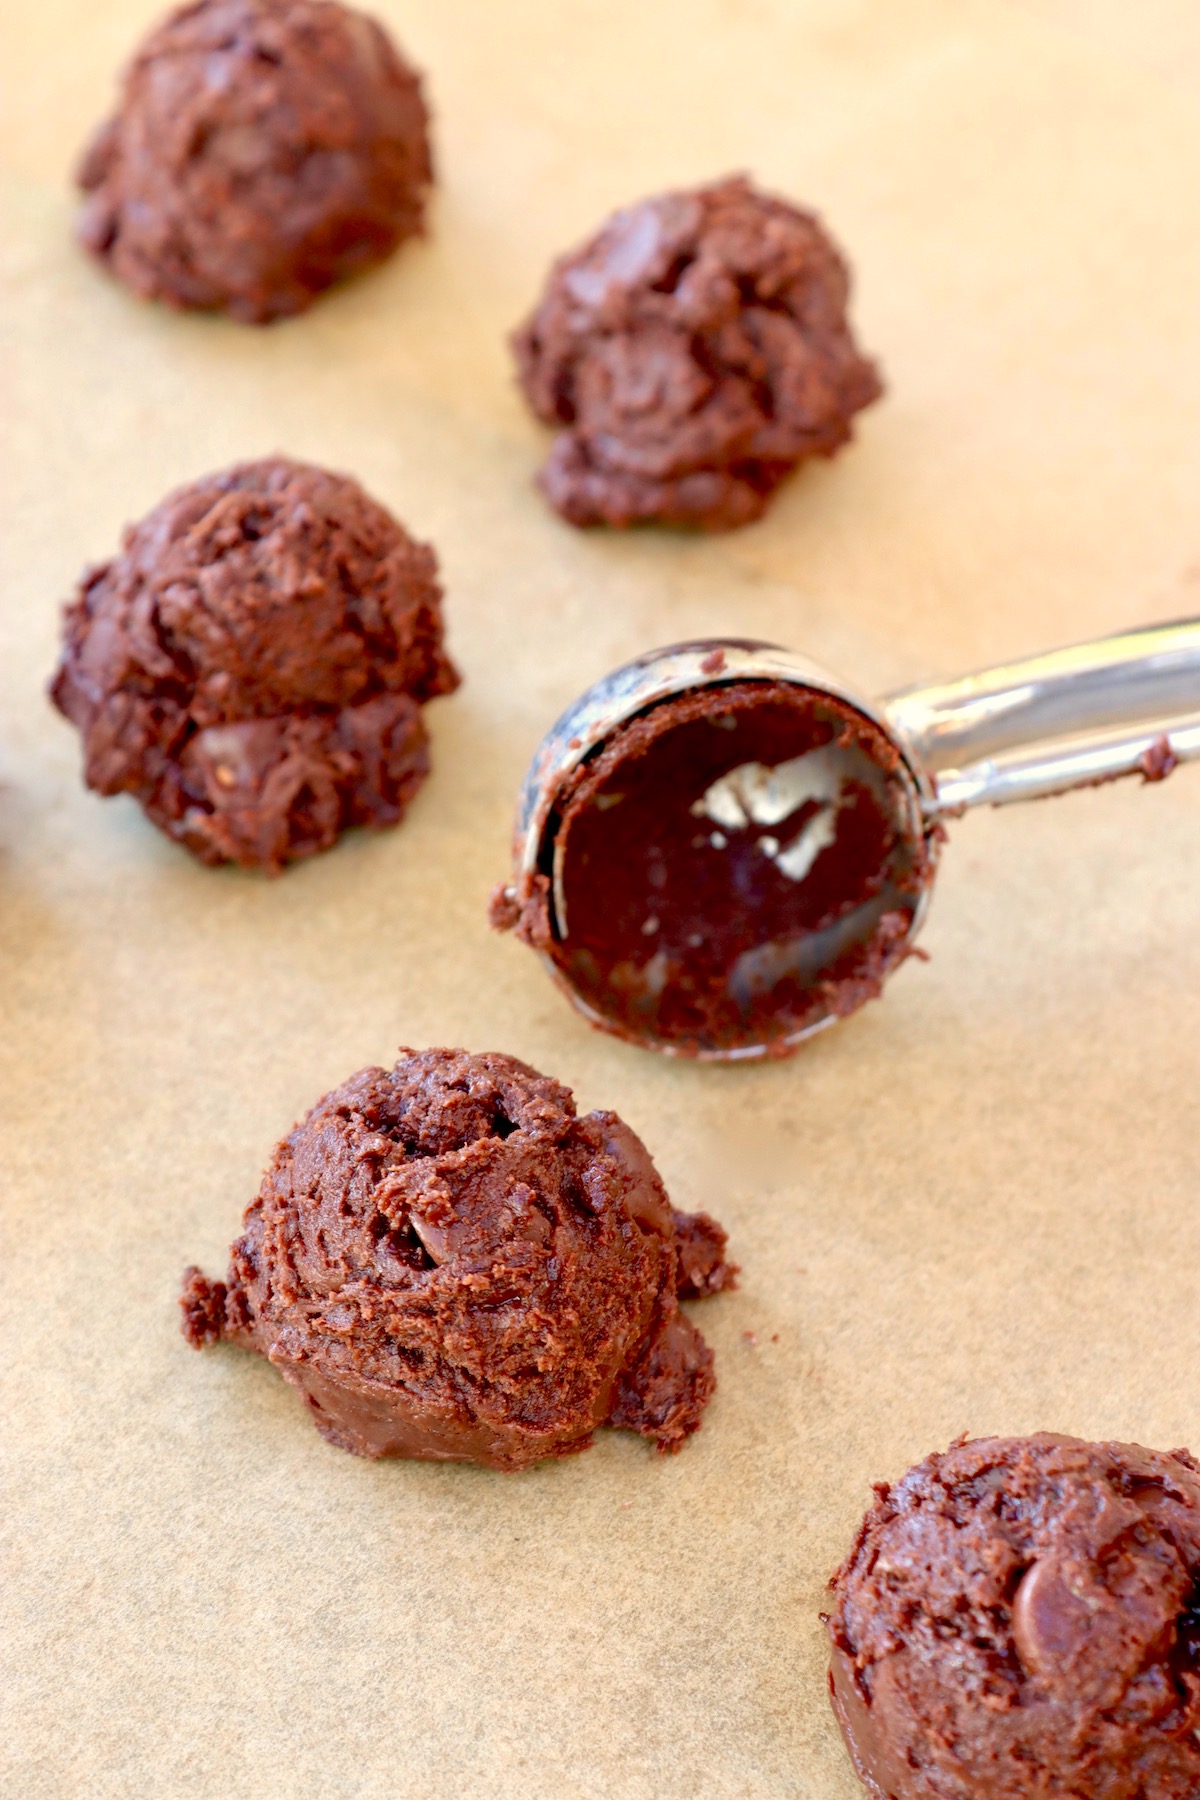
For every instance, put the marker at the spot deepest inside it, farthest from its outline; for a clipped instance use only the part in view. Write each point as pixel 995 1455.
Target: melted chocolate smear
pixel 733 866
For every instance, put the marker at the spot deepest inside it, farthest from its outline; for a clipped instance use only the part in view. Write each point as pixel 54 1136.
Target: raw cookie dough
pixel 448 1263
pixel 731 867
pixel 1021 1617
pixel 262 149
pixel 691 355
pixel 252 666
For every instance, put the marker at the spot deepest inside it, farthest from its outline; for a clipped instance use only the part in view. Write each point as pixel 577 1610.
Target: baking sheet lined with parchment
pixel 972 1207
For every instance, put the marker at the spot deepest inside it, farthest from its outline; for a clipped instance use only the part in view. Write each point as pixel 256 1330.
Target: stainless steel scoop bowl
pixel 1122 705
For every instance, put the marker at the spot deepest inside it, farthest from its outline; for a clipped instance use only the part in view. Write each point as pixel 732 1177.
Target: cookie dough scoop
pixel 447 1262
pixel 721 848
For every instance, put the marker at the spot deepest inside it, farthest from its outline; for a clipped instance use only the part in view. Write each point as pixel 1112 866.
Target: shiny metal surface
pixel 1075 716
pixel 659 675
pixel 1080 759
pixel 1070 718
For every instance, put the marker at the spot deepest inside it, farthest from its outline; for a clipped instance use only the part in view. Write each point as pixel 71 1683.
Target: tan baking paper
pixel 974 1207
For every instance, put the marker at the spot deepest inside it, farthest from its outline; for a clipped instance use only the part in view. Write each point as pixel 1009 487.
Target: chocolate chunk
pixel 1050 1623
pixel 261 150
pixel 1017 1619
pixel 447 1262
pixel 691 355
pixel 732 866
pixel 252 666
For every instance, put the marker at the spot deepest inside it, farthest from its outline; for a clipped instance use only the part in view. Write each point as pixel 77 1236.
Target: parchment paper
pixel 974 1207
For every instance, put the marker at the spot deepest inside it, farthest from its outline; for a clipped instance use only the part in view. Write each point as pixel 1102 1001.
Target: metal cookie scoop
pixel 721 848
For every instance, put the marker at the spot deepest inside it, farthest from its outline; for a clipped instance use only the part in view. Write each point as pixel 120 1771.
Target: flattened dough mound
pixel 447 1262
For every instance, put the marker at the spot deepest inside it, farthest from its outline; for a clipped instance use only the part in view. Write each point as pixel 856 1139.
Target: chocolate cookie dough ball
pixel 262 149
pixel 1021 1617
pixel 252 666
pixel 691 355
pixel 448 1263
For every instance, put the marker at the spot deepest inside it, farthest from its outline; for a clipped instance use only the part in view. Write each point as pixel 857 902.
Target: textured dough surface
pixel 1021 1617
pixel 691 354
pixel 261 150
pixel 252 665
pixel 449 1263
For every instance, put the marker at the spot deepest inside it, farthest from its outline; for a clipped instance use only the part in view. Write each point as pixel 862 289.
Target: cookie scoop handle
pixel 1123 705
